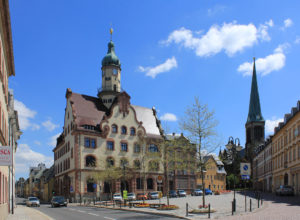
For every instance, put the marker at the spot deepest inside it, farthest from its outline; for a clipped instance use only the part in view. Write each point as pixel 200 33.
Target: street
pixel 92 213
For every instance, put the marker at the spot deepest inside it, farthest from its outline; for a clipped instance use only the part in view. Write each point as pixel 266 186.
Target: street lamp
pixel 233 147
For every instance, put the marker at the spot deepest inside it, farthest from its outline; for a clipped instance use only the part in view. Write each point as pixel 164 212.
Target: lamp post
pixel 233 147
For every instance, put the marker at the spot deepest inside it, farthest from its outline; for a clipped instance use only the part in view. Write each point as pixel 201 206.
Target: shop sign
pixel 5 156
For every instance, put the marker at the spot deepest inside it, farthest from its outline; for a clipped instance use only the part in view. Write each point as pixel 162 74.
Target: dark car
pixel 208 192
pixel 285 191
pixel 173 193
pixel 58 201
pixel 197 192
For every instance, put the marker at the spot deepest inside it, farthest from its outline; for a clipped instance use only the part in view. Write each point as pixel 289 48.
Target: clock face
pixel 115 72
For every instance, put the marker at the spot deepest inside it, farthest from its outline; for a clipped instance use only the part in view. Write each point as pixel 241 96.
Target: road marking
pixel 72 209
pixel 109 218
pixel 92 214
pixel 80 211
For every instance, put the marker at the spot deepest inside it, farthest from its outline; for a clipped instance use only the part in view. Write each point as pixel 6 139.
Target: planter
pixel 168 207
pixel 202 211
pixel 142 205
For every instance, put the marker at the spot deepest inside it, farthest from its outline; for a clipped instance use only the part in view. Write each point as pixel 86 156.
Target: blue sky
pixel 170 51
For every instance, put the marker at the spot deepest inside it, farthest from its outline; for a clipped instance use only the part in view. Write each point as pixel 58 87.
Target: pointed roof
pixel 254 113
pixel 111 58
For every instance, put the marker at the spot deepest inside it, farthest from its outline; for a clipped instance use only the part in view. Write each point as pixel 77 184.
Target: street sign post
pixel 159 179
pixel 245 171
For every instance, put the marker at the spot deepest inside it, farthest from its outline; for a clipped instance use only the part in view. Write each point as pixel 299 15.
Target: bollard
pixel 257 202
pixel 120 204
pixel 250 205
pixel 208 210
pixel 186 209
pixel 261 200
pixel 232 207
pixel 245 202
pixel 113 203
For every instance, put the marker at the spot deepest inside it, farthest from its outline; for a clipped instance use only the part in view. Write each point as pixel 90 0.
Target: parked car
pixel 197 192
pixel 173 194
pixel 208 192
pixel 153 195
pixel 117 197
pixel 58 201
pixel 33 201
pixel 285 191
pixel 181 193
pixel 131 196
pixel 142 196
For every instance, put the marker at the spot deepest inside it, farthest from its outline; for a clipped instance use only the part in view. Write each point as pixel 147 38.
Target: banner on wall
pixel 6 156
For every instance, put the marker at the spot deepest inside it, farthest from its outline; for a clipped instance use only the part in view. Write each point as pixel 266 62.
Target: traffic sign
pixel 245 169
pixel 245 177
pixel 159 179
pixel 94 185
pixel 71 189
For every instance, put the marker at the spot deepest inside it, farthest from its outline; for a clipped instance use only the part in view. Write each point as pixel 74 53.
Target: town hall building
pixel 107 131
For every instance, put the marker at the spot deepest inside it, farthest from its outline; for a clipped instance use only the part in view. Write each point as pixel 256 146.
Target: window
pixel 137 148
pixel 86 142
pixel 132 131
pixel 93 143
pixel 90 161
pixel 110 162
pixel 110 145
pixel 137 164
pixel 153 166
pixel 124 146
pixel 90 185
pixel 149 183
pixel 72 152
pixel 114 128
pixel 123 130
pixel 139 183
pixel 153 148
pixel 123 162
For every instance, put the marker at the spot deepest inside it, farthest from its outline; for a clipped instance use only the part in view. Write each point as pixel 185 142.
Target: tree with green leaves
pixel 199 124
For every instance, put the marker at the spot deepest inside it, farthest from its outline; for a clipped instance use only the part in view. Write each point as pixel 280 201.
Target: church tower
pixel 111 75
pixel 255 125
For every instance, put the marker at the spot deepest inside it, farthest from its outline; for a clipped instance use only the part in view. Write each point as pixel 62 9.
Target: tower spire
pixel 254 113
pixel 111 32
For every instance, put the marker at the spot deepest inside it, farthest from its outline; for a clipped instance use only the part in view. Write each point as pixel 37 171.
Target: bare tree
pixel 199 124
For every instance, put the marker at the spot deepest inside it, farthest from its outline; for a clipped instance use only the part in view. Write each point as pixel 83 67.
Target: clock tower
pixel 111 75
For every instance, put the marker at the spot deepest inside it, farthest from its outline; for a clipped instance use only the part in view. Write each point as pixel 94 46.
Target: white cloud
pixel 287 23
pixel 270 63
pixel 49 125
pixel 230 37
pixel 270 23
pixel 168 117
pixel 25 114
pixel 52 141
pixel 161 68
pixel 26 157
pixel 37 143
pixel 297 41
pixel 216 10
pixel 271 124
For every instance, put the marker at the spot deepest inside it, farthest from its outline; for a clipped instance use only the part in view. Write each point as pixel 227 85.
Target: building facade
pixel 6 70
pixel 262 167
pixel 214 175
pixel 35 174
pixel 107 131
pixel 286 151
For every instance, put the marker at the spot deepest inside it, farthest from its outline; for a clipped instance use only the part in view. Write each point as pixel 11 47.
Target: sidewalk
pixel 24 213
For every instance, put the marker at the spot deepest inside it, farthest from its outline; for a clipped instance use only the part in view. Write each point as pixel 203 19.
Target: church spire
pixel 254 113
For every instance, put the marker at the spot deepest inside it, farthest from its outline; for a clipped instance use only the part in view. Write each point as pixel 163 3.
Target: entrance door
pixel 286 179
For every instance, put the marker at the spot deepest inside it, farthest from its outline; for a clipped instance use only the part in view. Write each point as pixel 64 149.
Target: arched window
pixel 137 164
pixel 132 131
pixel 110 162
pixel 114 128
pixel 90 161
pixel 153 148
pixel 123 130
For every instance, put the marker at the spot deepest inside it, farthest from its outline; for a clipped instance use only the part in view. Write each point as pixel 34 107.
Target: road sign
pixel 245 169
pixel 245 177
pixel 94 185
pixel 71 189
pixel 159 179
pixel 6 156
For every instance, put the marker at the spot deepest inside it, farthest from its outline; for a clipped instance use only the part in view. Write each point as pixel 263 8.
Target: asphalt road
pixel 93 213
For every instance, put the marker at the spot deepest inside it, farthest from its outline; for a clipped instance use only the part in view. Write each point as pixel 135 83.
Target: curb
pixel 43 214
pixel 142 211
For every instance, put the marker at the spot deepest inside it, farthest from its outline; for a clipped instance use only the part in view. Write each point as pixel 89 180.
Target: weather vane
pixel 111 32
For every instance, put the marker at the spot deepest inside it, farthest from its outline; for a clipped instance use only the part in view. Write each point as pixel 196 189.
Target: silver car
pixel 285 191
pixel 153 195
pixel 131 196
pixel 33 201
pixel 117 197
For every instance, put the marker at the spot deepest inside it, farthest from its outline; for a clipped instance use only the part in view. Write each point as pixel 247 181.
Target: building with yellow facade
pixel 214 175
pixel 286 151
